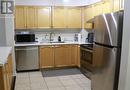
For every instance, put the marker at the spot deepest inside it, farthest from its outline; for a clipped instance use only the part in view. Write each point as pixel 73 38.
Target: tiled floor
pixel 52 80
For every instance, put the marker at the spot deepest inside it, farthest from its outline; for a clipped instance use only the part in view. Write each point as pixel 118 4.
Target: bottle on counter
pixel 59 39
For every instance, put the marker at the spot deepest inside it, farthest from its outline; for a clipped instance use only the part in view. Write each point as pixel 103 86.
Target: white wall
pixel 124 81
pixel 55 2
pixel 7 32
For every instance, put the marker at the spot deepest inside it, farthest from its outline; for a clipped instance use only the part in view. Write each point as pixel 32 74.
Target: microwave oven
pixel 24 38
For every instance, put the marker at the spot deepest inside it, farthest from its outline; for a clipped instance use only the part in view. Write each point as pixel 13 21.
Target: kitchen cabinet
pixel 46 57
pixel 62 55
pixel 20 17
pixel 88 15
pixel 31 17
pixel 44 17
pixel 116 5
pixel 98 8
pixel 74 17
pixel 78 46
pixel 74 55
pixel 6 73
pixel 107 8
pixel 59 56
pixel 59 17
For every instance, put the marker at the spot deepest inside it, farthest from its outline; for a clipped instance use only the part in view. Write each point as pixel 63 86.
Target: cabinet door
pixel 46 57
pixel 121 4
pixel 20 17
pixel 107 8
pixel 62 55
pixel 116 5
pixel 59 17
pixel 74 18
pixel 97 9
pixel 31 18
pixel 7 76
pixel 88 14
pixel 78 55
pixel 3 79
pixel 10 65
pixel 44 17
pixel 74 55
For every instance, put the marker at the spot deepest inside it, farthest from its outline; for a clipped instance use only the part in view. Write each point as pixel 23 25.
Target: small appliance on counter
pixel 90 37
pixel 77 37
pixel 25 38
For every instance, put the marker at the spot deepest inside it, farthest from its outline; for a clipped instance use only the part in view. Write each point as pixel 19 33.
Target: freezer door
pixel 104 72
pixel 108 28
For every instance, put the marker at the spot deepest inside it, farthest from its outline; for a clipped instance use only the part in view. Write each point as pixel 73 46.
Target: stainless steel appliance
pixel 107 50
pixel 25 38
pixel 86 59
pixel 27 58
pixel 90 37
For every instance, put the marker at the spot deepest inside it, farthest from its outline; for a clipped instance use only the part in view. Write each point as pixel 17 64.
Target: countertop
pixel 4 53
pixel 41 43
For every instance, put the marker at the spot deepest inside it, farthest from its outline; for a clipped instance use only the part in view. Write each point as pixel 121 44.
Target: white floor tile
pixel 22 80
pixel 35 74
pixel 38 86
pixel 35 81
pixel 68 82
pixel 54 84
pixel 23 75
pixel 58 88
pixel 68 77
pixel 74 88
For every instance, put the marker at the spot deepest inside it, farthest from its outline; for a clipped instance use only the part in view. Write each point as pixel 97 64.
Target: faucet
pixel 52 33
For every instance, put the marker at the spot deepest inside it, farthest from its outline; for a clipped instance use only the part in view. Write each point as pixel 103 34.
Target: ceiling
pixel 56 2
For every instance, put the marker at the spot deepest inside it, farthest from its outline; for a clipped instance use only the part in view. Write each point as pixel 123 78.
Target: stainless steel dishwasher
pixel 27 58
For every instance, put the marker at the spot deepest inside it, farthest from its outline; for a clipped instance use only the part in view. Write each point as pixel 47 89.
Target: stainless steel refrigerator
pixel 107 50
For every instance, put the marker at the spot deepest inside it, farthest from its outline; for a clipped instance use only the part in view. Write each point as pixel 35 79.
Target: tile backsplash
pixel 66 35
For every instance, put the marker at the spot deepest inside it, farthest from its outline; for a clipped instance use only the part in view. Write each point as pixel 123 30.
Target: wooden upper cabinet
pixel 107 8
pixel 44 17
pixel 121 4
pixel 74 17
pixel 88 15
pixel 59 17
pixel 46 57
pixel 98 9
pixel 20 17
pixel 31 17
pixel 62 55
pixel 116 5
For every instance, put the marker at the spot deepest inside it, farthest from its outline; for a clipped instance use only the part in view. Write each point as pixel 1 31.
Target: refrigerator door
pixel 108 28
pixel 104 73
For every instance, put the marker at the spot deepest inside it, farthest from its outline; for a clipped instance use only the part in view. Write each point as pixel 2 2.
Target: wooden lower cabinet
pixel 62 55
pixel 59 56
pixel 6 73
pixel 46 57
pixel 74 55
